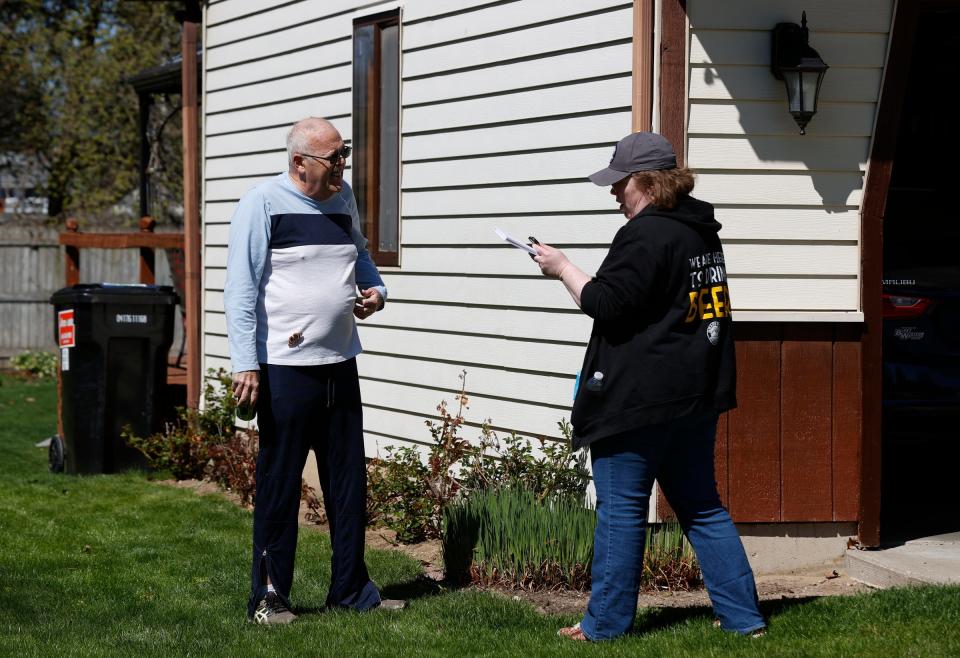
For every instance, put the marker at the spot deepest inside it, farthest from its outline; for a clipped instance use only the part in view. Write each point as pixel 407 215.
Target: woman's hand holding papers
pixel 555 264
pixel 552 261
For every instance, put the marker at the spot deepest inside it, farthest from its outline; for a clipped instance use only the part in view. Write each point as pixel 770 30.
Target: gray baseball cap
pixel 636 152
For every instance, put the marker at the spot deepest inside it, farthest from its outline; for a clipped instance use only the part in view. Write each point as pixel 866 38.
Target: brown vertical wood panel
pixel 806 409
pixel 847 425
pixel 720 454
pixel 753 443
pixel 673 75
pixel 643 29
pixel 192 240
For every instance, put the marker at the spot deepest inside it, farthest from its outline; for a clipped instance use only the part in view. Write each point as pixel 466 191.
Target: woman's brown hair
pixel 664 186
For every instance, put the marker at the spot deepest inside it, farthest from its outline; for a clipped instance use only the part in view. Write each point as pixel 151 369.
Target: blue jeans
pixel 679 454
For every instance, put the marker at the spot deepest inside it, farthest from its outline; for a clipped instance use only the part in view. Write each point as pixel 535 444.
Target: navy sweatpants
pixel 303 407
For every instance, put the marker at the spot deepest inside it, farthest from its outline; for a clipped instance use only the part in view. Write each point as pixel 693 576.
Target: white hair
pixel 298 139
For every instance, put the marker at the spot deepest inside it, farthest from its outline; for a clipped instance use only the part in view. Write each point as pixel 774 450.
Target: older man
pixel 296 259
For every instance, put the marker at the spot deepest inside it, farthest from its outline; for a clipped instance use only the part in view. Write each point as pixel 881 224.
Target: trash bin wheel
pixel 55 454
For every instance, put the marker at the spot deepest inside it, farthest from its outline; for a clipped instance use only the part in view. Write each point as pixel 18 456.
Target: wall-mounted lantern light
pixel 800 68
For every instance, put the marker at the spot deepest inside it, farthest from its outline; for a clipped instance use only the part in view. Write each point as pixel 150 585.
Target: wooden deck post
pixel 71 263
pixel 147 254
pixel 191 208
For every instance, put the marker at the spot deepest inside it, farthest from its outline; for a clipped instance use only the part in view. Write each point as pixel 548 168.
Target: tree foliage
pixel 66 104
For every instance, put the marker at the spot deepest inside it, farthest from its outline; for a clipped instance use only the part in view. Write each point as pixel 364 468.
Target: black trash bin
pixel 113 342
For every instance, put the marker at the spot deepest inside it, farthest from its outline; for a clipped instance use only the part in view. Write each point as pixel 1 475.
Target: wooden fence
pixel 31 269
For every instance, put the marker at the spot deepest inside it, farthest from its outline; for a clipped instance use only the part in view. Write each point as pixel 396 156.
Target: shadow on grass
pixel 661 618
pixel 418 588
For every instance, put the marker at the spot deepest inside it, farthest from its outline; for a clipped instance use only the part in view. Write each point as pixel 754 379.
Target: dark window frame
pixel 367 109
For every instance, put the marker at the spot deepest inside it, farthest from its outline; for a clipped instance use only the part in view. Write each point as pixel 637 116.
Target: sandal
pixel 573 633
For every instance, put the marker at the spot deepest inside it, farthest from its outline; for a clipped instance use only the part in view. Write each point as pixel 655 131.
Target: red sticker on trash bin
pixel 65 328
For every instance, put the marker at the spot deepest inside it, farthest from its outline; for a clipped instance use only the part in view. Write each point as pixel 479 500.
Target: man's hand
pixel 371 303
pixel 246 387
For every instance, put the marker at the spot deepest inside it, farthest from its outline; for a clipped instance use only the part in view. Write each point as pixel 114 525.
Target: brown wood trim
pixel 673 95
pixel 122 240
pixel 643 29
pixel 371 159
pixel 192 242
pixel 673 75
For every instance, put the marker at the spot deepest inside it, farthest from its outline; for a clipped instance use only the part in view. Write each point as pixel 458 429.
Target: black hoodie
pixel 661 339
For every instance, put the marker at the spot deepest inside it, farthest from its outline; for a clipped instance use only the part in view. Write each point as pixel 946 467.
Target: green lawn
pixel 118 565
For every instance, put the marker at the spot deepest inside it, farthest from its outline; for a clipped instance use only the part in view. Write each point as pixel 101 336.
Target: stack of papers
pixel 516 243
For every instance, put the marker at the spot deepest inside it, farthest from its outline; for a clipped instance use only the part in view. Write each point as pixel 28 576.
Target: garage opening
pixel 921 299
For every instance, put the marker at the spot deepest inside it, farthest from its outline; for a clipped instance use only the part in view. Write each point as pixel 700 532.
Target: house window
pixel 376 132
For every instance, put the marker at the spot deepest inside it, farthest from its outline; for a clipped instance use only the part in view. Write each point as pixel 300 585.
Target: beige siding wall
pixel 506 107
pixel 790 204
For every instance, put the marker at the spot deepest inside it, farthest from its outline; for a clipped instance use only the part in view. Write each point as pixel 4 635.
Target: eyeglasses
pixel 343 152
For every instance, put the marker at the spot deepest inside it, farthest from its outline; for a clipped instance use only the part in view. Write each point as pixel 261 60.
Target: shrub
pixel 398 495
pixel 232 464
pixel 184 448
pixel 410 496
pixel 510 462
pixel 206 444
pixel 36 363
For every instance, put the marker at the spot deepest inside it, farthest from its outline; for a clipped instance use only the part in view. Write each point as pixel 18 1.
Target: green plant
pixel 669 562
pixel 398 496
pixel 508 536
pixel 232 464
pixel 409 496
pixel 37 363
pixel 510 461
pixel 185 447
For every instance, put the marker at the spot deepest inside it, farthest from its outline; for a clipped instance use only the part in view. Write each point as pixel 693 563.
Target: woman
pixel 658 370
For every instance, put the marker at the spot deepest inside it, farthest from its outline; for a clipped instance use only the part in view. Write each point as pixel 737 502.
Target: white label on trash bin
pixel 131 318
pixel 64 359
pixel 66 329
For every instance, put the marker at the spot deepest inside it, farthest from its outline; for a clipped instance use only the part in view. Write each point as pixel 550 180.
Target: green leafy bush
pixel 409 495
pixel 510 462
pixel 183 449
pixel 36 363
pixel 398 495
pixel 206 444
